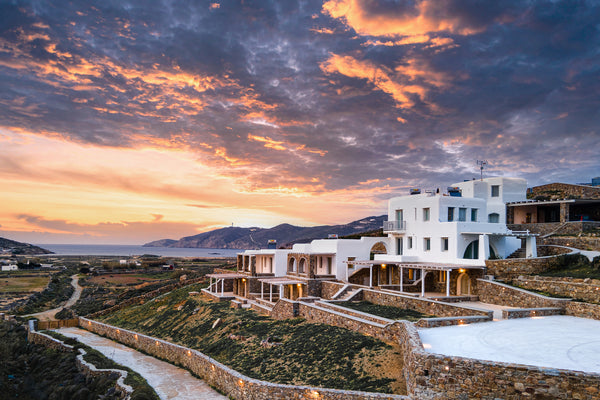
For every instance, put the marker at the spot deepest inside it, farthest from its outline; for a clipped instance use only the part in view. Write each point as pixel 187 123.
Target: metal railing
pixel 394 226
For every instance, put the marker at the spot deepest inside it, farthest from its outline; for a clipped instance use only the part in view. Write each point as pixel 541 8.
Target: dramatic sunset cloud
pixel 130 122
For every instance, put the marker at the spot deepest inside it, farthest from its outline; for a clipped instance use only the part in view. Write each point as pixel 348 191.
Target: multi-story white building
pixel 436 242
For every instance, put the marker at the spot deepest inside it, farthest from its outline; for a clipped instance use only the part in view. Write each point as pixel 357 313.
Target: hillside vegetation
pixel 289 351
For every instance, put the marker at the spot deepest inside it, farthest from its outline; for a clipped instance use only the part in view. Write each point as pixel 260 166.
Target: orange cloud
pixel 385 80
pixel 426 17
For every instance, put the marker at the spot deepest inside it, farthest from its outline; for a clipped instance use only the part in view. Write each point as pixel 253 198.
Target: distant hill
pixel 255 238
pixel 13 247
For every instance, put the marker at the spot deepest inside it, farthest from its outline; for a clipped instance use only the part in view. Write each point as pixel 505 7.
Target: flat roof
pixel 281 281
pixel 227 276
pixel 416 265
pixel 512 233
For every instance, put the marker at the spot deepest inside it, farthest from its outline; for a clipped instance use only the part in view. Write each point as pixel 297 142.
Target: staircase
pixel 519 253
pixel 348 295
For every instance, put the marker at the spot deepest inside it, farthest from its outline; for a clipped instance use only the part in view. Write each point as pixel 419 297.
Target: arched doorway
pixel 472 251
pixel 463 285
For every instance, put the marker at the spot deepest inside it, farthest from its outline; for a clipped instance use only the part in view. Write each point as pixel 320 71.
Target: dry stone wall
pixel 584 289
pixel 583 310
pixel 512 267
pixel 557 191
pixel 506 295
pixel 425 306
pixel 217 375
pixel 582 242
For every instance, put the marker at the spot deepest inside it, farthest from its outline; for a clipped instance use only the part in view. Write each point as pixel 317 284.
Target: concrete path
pixel 590 254
pixel 50 314
pixel 554 342
pixel 169 381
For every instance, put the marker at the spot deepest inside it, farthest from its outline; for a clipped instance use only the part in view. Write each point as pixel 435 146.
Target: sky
pixel 131 121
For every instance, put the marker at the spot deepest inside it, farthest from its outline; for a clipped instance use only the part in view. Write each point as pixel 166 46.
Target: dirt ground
pixel 25 284
pixel 121 279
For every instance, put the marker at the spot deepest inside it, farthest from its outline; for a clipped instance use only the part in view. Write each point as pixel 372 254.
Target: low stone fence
pixel 584 289
pixel 506 295
pixel 448 321
pixel 548 250
pixel 512 267
pixel 561 228
pixel 425 306
pixel 123 390
pixel 217 375
pixel 531 312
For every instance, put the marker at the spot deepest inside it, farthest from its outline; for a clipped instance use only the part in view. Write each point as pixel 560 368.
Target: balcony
pixel 394 226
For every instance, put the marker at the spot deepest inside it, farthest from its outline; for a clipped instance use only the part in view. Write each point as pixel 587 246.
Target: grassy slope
pixel 311 354
pixel 385 311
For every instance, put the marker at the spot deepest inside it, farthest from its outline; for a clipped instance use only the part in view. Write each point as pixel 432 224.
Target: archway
pixel 463 285
pixel 292 265
pixel 378 248
pixel 472 251
pixel 302 266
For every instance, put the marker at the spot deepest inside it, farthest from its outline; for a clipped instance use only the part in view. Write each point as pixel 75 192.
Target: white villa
pixel 436 246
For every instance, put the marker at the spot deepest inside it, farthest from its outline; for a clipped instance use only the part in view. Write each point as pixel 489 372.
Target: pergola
pixel 221 278
pixel 423 266
pixel 277 281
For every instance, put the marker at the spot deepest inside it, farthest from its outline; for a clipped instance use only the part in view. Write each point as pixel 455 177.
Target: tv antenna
pixel 481 163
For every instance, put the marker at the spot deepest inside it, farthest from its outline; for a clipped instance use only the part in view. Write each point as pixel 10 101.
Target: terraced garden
pixel 289 351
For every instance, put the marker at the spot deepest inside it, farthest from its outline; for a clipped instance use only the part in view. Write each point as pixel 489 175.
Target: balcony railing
pixel 394 226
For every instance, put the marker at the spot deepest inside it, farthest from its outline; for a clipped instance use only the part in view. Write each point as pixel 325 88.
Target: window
pixel 450 214
pixel 427 244
pixel 329 264
pixel 350 259
pixel 292 265
pixel 462 214
pixel 399 246
pixel 426 213
pixel 399 215
pixel 410 242
pixel 302 266
pixel 473 215
pixel 494 218
pixel 495 191
pixel 444 244
pixel 414 274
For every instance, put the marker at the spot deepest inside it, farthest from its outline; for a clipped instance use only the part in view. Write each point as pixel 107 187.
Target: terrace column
pixel 270 293
pixel 423 274
pixel 222 286
pixel 401 279
pixel 281 291
pixel 448 282
pixel 484 247
pixel 262 290
pixel 210 288
pixel 530 247
pixel 371 276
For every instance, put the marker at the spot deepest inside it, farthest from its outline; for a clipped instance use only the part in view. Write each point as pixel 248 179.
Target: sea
pixel 131 250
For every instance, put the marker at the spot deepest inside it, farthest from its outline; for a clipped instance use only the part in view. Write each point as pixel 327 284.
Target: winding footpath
pixel 50 314
pixel 169 381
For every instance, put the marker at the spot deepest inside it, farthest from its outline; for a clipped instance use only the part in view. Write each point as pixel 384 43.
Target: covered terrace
pixel 221 285
pixel 296 287
pixel 450 278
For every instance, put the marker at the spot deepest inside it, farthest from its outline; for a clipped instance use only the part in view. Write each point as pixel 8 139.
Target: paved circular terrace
pixel 562 342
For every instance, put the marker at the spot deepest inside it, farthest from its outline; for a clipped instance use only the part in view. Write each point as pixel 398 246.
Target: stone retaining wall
pixel 506 295
pixel 581 242
pixel 583 310
pixel 227 380
pixel 558 228
pixel 62 323
pixel 584 289
pixel 439 377
pixel 512 267
pixel 431 307
pixel 329 289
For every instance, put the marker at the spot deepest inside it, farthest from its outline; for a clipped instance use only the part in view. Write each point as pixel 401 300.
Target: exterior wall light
pixel 462 270
pixel 447 368
pixel 383 265
pixel 189 353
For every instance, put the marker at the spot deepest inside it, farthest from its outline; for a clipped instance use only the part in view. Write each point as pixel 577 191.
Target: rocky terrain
pixel 14 247
pixel 285 234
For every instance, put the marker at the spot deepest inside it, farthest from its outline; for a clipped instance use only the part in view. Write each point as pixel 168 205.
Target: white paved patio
pixel 562 342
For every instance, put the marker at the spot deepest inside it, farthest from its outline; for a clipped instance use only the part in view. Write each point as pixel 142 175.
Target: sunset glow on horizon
pixel 128 122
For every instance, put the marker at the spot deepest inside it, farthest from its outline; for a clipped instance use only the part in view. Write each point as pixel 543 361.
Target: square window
pixel 462 214
pixel 426 213
pixel 495 190
pixel 473 214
